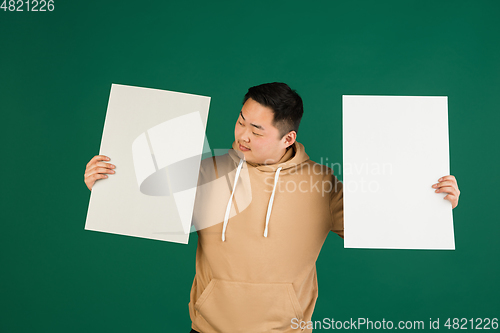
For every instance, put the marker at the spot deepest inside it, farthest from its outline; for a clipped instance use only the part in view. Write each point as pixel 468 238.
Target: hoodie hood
pixel 294 156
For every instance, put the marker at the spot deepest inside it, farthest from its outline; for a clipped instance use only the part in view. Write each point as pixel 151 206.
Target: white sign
pixel 395 148
pixel 156 139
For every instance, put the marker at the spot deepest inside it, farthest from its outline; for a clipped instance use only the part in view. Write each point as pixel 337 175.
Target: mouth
pixel 243 148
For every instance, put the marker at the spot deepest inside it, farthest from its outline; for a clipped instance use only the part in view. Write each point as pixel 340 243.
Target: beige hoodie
pixel 258 241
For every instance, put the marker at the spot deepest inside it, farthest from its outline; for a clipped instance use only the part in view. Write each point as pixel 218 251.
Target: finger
pixel 447 189
pixel 450 197
pixel 101 170
pixel 444 183
pixel 453 199
pixel 98 158
pixel 97 176
pixel 98 171
pixel 449 177
pixel 90 168
pixel 90 181
pixel 453 185
pixel 105 165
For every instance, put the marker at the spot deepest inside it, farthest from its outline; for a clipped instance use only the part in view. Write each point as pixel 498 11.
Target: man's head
pixel 285 103
pixel 268 122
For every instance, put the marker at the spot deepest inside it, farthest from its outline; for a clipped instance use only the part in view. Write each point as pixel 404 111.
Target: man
pixel 260 233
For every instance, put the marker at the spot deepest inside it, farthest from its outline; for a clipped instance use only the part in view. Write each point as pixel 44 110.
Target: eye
pixel 256 134
pixel 240 123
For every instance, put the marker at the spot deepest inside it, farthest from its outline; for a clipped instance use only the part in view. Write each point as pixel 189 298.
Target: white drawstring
pixel 228 208
pixel 270 206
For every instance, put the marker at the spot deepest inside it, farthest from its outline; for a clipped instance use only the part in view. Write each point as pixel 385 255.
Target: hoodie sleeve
pixel 337 207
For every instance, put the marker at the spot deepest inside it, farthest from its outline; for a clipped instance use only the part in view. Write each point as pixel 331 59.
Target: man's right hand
pixel 96 170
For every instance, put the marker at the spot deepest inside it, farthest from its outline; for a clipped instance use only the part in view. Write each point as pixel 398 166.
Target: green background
pixel 56 72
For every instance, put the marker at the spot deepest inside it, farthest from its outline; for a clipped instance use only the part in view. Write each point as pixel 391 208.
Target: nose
pixel 245 136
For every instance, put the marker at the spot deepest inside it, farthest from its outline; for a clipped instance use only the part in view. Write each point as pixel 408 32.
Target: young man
pixel 261 228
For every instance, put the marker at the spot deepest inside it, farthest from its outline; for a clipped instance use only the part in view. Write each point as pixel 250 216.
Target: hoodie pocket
pixel 232 307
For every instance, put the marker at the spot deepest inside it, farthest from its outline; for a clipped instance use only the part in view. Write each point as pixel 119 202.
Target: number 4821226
pixel 28 5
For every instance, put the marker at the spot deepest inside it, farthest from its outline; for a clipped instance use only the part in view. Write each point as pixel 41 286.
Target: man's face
pixel 257 138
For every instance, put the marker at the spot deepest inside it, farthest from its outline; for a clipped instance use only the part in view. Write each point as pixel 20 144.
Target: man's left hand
pixel 448 184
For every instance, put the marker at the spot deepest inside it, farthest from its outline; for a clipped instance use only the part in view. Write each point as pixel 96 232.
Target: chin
pixel 248 157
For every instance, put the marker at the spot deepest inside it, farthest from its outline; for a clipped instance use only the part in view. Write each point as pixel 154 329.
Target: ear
pixel 290 138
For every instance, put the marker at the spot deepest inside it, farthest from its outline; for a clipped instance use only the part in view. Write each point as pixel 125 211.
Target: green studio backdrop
pixel 56 73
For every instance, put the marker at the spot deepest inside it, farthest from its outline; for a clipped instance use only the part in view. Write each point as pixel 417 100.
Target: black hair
pixel 285 103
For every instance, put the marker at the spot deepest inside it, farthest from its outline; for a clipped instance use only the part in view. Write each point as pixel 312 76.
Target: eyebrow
pixel 254 125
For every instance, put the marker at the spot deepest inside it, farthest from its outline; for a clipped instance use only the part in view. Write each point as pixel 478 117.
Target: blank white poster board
pixel 394 149
pixel 156 139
